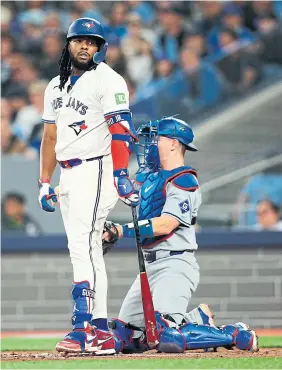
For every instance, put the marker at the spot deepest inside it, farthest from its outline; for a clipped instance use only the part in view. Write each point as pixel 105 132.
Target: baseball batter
pixel 89 133
pixel 170 198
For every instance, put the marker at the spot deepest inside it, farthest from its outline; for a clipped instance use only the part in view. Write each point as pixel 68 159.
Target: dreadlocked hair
pixel 64 66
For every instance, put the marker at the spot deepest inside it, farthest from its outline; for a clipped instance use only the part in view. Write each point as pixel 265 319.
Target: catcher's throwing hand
pixel 111 233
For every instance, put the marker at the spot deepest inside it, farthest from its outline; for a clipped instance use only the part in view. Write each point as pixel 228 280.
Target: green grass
pixel 48 344
pixel 28 344
pixel 41 344
pixel 269 342
pixel 216 363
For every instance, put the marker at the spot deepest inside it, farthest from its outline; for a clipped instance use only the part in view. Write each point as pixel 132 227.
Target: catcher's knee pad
pixel 170 339
pixel 203 336
pixel 125 342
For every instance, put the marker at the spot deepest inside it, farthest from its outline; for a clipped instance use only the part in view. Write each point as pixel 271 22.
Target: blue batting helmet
pixel 92 28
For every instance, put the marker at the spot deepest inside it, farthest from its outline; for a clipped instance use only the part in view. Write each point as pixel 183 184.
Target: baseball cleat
pixel 79 341
pixel 241 326
pixel 208 312
pixel 254 343
pixel 106 343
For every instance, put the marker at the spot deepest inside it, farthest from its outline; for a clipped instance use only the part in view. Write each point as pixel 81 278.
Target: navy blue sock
pixel 100 324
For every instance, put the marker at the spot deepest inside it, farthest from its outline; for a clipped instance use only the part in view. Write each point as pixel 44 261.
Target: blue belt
pixel 76 162
pixel 152 256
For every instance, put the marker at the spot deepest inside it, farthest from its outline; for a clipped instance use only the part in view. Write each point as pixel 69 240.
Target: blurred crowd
pixel 200 49
pixel 14 218
pixel 259 204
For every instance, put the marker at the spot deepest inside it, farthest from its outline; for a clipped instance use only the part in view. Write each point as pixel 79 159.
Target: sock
pixel 101 324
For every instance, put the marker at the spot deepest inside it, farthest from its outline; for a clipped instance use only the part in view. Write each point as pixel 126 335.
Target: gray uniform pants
pixel 172 279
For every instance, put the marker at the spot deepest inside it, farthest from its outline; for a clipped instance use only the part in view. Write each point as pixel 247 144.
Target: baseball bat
pixel 147 301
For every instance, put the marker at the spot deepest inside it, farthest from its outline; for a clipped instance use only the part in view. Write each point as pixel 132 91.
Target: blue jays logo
pixel 78 127
pixel 88 25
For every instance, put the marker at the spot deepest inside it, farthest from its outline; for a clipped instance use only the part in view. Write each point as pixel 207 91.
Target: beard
pixel 83 66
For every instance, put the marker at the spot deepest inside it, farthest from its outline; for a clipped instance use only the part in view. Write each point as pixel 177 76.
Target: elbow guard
pixel 123 119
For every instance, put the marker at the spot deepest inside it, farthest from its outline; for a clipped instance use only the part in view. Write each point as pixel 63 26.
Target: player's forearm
pixel 120 150
pixel 156 226
pixel 47 157
pixel 120 155
pixel 164 225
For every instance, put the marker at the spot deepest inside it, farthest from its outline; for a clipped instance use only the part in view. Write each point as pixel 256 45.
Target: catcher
pixel 169 201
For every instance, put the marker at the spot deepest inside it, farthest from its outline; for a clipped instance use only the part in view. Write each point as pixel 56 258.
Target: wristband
pixel 121 172
pixel 145 228
pixel 42 181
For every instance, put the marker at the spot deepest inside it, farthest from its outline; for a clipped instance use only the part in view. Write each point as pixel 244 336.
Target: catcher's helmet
pixel 176 129
pixel 92 28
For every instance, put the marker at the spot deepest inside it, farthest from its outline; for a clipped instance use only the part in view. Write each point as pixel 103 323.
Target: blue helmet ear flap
pixel 99 56
pixel 92 28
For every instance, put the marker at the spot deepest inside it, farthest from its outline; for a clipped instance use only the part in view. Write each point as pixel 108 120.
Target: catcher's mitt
pixel 111 229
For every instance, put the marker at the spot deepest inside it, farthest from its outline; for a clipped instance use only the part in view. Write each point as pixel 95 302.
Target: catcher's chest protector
pixel 153 196
pixel 153 191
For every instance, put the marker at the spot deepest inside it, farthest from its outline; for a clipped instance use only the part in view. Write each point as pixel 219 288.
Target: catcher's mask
pixel 147 146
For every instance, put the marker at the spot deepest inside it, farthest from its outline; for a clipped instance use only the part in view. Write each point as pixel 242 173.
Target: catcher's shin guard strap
pixel 127 333
pixel 145 227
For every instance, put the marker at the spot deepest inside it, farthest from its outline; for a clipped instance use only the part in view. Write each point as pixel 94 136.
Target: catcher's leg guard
pixel 170 339
pixel 126 341
pixel 203 336
pixel 247 340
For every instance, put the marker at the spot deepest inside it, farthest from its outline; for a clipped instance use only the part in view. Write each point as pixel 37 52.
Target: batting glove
pixel 125 188
pixel 46 193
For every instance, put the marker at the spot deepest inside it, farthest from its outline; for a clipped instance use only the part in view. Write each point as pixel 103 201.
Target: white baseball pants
pixel 87 195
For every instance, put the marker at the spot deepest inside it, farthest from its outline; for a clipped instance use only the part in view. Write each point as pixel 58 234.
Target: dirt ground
pixel 222 353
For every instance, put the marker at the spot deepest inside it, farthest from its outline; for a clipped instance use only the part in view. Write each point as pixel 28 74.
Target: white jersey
pixel 82 131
